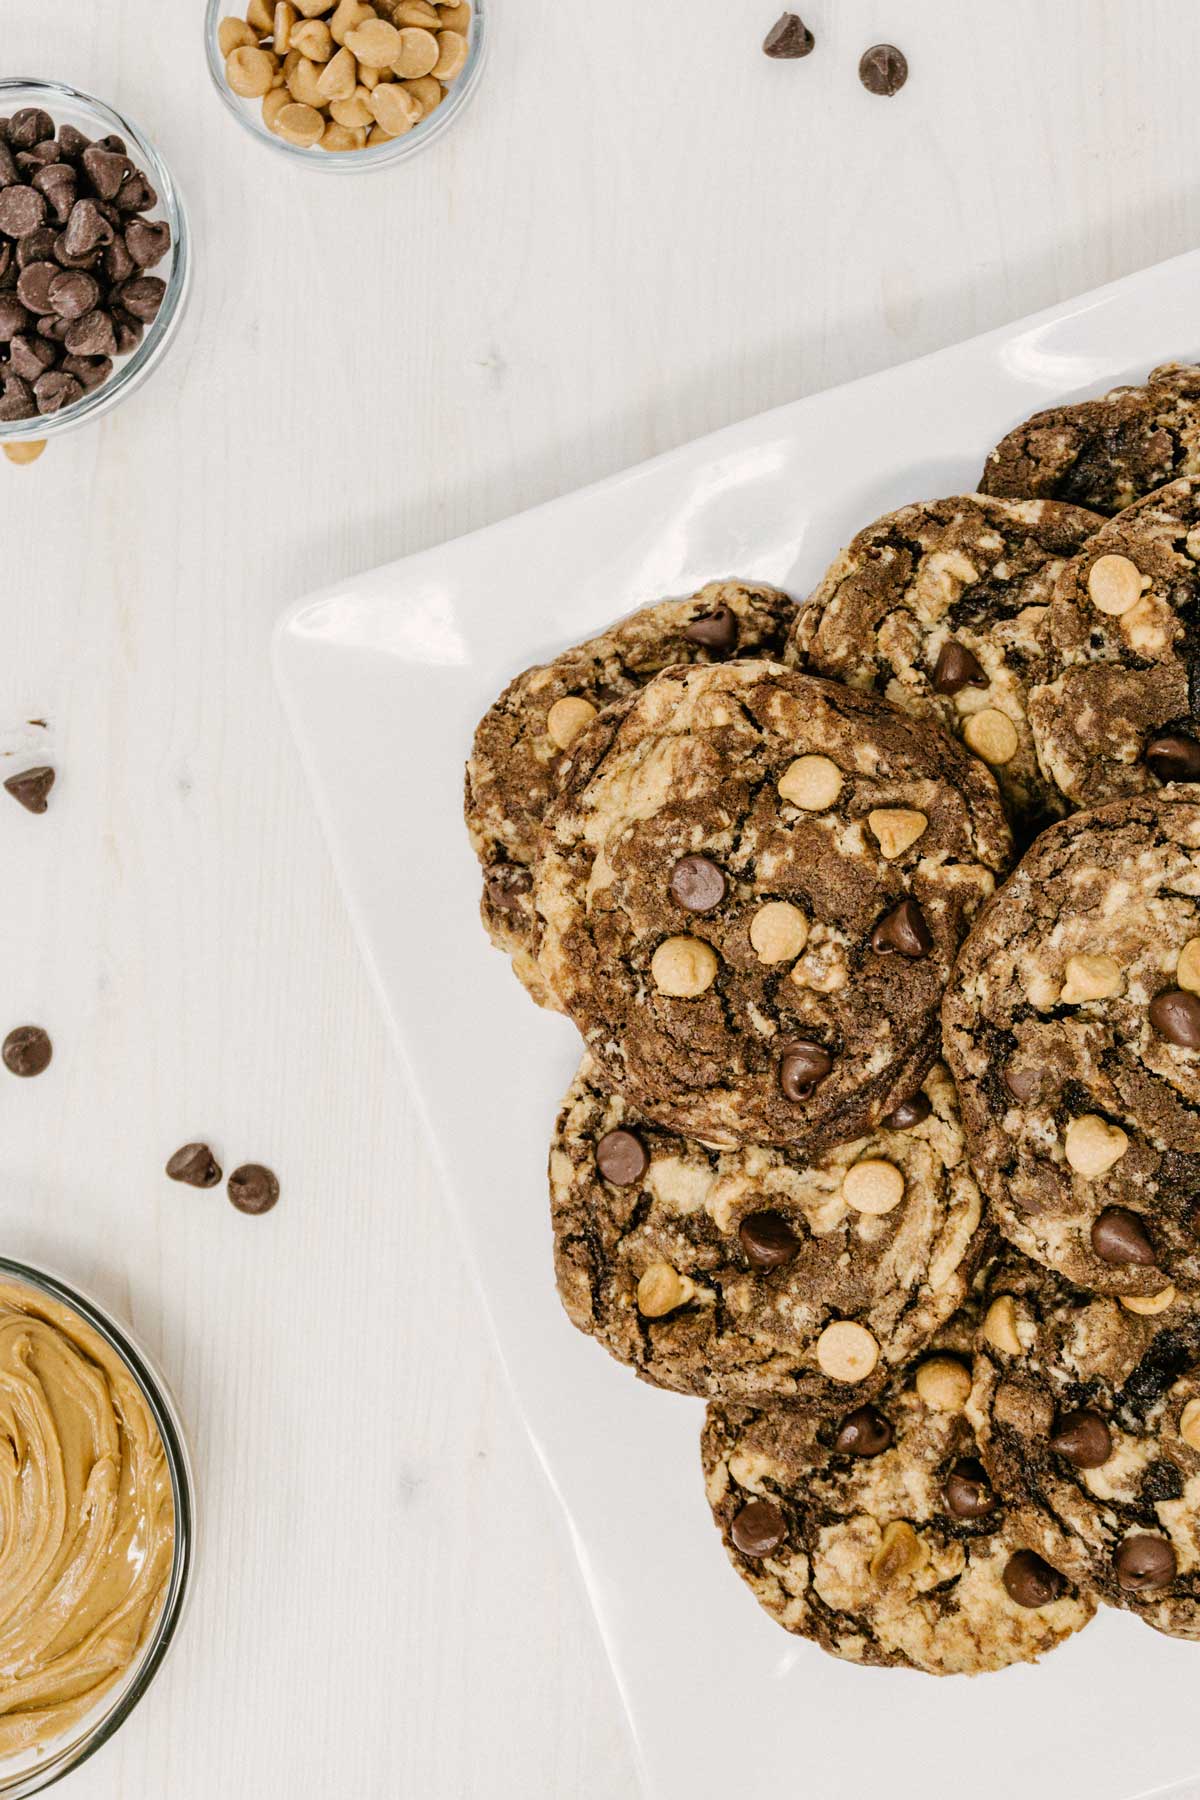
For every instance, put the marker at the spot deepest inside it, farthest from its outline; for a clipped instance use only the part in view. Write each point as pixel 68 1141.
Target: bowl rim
pixel 70 1755
pixel 133 370
pixel 373 157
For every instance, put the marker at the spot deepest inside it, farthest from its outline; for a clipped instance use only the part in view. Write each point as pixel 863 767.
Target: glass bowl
pixel 67 106
pixel 37 1770
pixel 248 113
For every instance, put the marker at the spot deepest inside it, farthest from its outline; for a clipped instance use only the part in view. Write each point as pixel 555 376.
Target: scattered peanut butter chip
pixel 662 1289
pixel 683 967
pixel 811 782
pixel 846 1351
pixel 896 828
pixel 1000 1326
pixel 567 718
pixel 1187 970
pixel 1189 1424
pixel 992 736
pixel 26 451
pixel 873 1186
pixel 1147 1305
pixel 943 1384
pixel 1114 584
pixel 1093 1146
pixel 253 1188
pixel 778 932
pixel 900 1553
pixel 31 788
pixel 1090 978
pixel 195 1165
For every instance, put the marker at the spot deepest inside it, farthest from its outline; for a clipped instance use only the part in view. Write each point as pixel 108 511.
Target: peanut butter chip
pixel 1093 1146
pixel 683 967
pixel 300 124
pixel 896 828
pixel 570 715
pixel 1115 584
pixel 846 1351
pixel 1090 978
pixel 452 54
pixel 873 1186
pixel 249 72
pixel 374 42
pixel 1147 1305
pixel 1189 1424
pixel 1000 1326
pixel 811 782
pixel 662 1289
pixel 1187 972
pixel 900 1553
pixel 418 53
pixel 778 932
pixel 26 451
pixel 397 111
pixel 943 1384
pixel 992 736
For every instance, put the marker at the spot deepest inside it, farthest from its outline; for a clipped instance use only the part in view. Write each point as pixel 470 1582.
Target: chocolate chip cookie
pixel 1072 1028
pixel 942 609
pixel 1088 1419
pixel 752 892
pixel 752 1273
pixel 1104 454
pixel 881 1537
pixel 524 741
pixel 1118 710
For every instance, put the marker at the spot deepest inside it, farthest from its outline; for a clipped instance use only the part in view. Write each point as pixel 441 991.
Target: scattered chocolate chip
pixel 969 1493
pixel 767 1240
pixel 1145 1561
pixel 1032 1582
pixel 903 930
pixel 1023 1084
pixel 27 1051
pixel 802 1067
pixel 789 37
pixel 913 1111
pixel 759 1528
pixel 883 69
pixel 1172 757
pixel 1175 1015
pixel 1083 1438
pixel 31 787
pixel 505 884
pixel 253 1189
pixel 716 630
pixel 621 1158
pixel 957 668
pixel 196 1165
pixel 864 1432
pixel 1120 1238
pixel 698 884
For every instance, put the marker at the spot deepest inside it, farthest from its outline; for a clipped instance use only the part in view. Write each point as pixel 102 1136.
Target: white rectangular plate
pixel 384 678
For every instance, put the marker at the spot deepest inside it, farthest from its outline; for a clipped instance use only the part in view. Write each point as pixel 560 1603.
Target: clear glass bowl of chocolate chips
pixel 93 258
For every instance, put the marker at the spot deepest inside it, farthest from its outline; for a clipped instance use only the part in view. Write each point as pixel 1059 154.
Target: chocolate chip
pixel 92 335
pixel 34 284
pixel 505 884
pixel 788 37
pixel 119 264
pixel 1083 1438
pixel 957 668
pixel 803 1066
pixel 113 142
pixel 253 1189
pixel 36 246
pixel 89 371
pixel 13 317
pixel 16 400
pixel 716 630
pixel 106 170
pixel 1023 1084
pixel 1172 757
pixel 864 1432
pixel 141 297
pixel 883 69
pixel 53 327
pixel 698 884
pixel 1145 1561
pixel 87 259
pixel 913 1111
pixel 969 1493
pixel 196 1165
pixel 73 292
pixel 1032 1582
pixel 621 1158
pixel 27 1051
pixel 1175 1016
pixel 767 1240
pixel 87 229
pixel 136 194
pixel 903 930
pixel 60 185
pixel 759 1528
pixel 22 209
pixel 72 143
pixel 129 331
pixel 31 788
pixel 147 242
pixel 56 389
pixel 9 171
pixel 1120 1238
pixel 28 127
pixel 30 357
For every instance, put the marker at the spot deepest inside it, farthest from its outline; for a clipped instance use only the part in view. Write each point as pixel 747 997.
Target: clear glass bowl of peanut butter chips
pixel 98 1505
pixel 346 85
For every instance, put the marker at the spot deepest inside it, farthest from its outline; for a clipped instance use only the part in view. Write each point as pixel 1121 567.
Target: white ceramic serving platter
pixel 384 677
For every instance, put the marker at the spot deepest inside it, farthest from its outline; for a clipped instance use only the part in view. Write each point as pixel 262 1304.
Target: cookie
pixel 941 608
pixel 1118 710
pixel 523 742
pixel 1072 1028
pixel 880 1537
pixel 753 1273
pixel 752 892
pixel 1104 454
pixel 1088 1419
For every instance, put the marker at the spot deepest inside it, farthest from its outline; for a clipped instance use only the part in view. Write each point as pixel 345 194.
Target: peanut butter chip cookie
pixel 942 609
pixel 881 1537
pixel 1073 1031
pixel 800 1005
pixel 1104 454
pixel 1118 709
pixel 524 742
pixel 722 1272
pixel 1088 1418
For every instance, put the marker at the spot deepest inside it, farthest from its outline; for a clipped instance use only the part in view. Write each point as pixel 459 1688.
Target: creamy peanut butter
pixel 87 1519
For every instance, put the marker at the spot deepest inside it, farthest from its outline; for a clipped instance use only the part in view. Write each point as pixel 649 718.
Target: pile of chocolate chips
pixel 74 255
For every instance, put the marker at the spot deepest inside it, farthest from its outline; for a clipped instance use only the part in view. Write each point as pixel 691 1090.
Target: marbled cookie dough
pixel 1117 710
pixel 752 893
pixel 524 741
pixel 751 1273
pixel 1072 1027
pixel 1104 454
pixel 880 1536
pixel 1088 1417
pixel 941 608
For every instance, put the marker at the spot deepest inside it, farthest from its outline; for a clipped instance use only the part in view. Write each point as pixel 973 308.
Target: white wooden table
pixel 640 230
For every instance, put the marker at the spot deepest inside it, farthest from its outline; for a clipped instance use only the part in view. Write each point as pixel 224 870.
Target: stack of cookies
pixel 879 918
